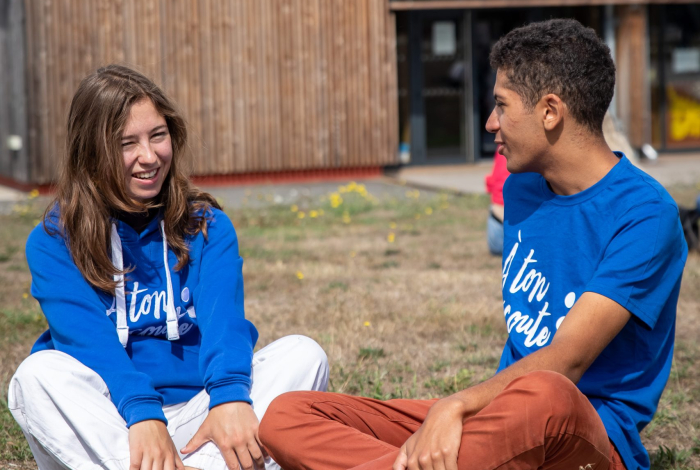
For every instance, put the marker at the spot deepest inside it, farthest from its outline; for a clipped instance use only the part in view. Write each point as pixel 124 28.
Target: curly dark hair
pixel 563 57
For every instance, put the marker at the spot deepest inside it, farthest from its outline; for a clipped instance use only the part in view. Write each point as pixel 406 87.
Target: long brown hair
pixel 92 187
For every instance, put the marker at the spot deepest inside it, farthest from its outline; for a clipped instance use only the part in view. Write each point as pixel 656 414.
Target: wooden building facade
pixel 265 85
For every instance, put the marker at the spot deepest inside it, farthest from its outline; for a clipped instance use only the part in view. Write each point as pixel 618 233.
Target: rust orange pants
pixel 539 421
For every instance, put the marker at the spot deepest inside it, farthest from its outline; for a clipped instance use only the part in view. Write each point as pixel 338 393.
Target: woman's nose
pixel 146 153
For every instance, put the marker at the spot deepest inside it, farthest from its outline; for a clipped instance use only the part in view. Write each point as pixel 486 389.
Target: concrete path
pixel 669 169
pixel 9 198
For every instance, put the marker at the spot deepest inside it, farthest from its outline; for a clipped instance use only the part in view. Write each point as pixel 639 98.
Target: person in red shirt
pixel 494 186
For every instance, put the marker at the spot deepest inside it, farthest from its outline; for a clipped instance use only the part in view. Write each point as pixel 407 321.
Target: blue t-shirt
pixel 620 238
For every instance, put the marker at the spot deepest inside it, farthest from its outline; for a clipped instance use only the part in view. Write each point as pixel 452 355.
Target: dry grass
pixel 418 317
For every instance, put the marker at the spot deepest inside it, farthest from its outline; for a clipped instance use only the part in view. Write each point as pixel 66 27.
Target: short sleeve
pixel 643 262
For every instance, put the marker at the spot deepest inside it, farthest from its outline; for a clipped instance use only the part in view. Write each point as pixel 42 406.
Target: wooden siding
pixel 266 85
pixel 632 87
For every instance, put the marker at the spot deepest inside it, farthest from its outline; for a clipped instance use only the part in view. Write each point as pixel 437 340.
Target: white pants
pixel 65 411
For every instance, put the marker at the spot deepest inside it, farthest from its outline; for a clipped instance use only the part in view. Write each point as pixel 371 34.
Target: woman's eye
pixel 126 144
pixel 159 136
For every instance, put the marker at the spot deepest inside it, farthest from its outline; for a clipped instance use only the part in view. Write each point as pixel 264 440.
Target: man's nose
pixel 492 122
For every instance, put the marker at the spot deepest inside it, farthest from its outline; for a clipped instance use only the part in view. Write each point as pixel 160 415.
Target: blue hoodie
pixel 215 346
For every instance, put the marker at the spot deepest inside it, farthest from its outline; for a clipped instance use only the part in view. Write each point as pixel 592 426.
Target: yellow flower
pixel 428 210
pixel 352 254
pixel 294 208
pixel 301 215
pixel 352 186
pixel 336 200
pixel 367 323
pixel 33 193
pixel 391 237
pixel 300 275
pixel 25 296
pixel 346 217
pixel 313 214
pixel 417 216
pixel 392 225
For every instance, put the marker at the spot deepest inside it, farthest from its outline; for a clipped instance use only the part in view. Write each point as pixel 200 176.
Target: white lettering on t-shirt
pixel 528 280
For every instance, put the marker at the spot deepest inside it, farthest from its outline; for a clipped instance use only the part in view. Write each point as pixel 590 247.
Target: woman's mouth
pixel 146 175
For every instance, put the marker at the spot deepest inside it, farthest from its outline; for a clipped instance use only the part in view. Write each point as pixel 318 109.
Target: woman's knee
pixel 48 370
pixel 38 367
pixel 304 353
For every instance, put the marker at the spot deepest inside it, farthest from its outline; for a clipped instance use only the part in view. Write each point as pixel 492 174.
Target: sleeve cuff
pixel 143 411
pixel 228 393
pixel 625 302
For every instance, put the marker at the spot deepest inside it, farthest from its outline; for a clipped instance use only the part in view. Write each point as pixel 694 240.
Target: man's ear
pixel 552 111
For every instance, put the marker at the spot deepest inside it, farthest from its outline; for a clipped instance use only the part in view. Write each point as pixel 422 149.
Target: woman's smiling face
pixel 147 151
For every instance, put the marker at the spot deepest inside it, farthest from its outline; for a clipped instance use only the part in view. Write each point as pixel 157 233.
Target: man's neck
pixel 574 169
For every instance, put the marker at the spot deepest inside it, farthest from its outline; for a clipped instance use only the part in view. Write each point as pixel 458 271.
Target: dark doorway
pixel 438 93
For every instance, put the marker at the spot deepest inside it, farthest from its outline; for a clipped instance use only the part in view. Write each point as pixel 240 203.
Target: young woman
pixel 148 360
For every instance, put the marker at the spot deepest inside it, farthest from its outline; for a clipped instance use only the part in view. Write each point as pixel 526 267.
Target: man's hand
pixel 151 447
pixel 233 427
pixel 436 443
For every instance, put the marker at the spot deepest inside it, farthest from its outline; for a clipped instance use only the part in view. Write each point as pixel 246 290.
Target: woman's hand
pixel 436 443
pixel 151 447
pixel 233 427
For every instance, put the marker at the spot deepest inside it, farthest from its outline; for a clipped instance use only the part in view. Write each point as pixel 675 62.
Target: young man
pixel 593 257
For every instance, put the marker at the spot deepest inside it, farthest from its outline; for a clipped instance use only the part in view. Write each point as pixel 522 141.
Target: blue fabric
pixel 494 235
pixel 216 342
pixel 620 238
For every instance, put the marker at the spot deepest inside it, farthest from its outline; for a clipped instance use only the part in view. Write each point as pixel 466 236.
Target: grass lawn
pixel 400 292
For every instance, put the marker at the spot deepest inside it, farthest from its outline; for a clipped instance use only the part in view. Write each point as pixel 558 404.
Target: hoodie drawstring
pixel 120 297
pixel 171 322
pixel 118 262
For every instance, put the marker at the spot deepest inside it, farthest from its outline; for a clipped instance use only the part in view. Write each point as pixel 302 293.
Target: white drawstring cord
pixel 118 262
pixel 173 330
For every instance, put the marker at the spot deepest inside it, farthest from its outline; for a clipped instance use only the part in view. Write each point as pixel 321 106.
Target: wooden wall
pixel 632 82
pixel 266 85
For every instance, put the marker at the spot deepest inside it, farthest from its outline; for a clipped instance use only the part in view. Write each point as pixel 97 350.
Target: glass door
pixel 440 77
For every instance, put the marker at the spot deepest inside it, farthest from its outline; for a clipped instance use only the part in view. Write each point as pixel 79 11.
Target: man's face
pixel 520 135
